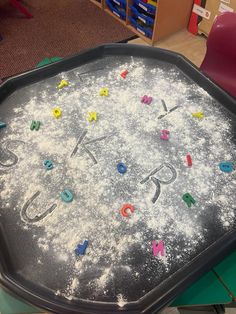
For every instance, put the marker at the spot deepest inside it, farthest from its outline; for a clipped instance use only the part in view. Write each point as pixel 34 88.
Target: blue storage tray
pixel 143 30
pixel 146 7
pixel 118 11
pixel 142 17
pixel 121 3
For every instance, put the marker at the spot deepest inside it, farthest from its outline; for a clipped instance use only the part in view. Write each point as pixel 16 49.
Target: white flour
pixel 133 137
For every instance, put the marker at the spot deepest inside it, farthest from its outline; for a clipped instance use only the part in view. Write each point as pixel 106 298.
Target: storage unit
pixel 117 7
pixel 151 20
pixel 99 3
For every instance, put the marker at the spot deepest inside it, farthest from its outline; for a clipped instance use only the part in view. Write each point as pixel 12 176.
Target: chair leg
pixel 21 8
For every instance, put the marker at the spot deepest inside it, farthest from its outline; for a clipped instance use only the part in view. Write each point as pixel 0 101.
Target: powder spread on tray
pixel 85 155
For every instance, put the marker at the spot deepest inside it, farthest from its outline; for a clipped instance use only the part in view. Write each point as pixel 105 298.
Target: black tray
pixel 33 273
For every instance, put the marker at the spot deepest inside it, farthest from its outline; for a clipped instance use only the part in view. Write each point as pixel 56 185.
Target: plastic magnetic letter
pixel 62 84
pixel 146 99
pixel 2 125
pixel 123 74
pixel 104 92
pixel 35 125
pixel 56 112
pixel 158 248
pixel 226 166
pixel 81 248
pixel 48 164
pixel 165 135
pixel 189 200
pixel 198 115
pixel 121 168
pixel 67 196
pixel 124 209
pixel 189 160
pixel 92 116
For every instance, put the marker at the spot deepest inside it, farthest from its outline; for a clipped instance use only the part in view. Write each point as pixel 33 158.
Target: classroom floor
pixel 192 47
pixel 58 28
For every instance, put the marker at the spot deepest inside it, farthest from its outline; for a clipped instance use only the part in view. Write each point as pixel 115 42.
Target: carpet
pixel 58 28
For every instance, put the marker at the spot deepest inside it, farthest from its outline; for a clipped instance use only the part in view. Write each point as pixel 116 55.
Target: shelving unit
pixel 98 3
pixel 106 9
pixel 170 17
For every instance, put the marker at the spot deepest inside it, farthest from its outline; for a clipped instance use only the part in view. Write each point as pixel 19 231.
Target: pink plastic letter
pixel 158 248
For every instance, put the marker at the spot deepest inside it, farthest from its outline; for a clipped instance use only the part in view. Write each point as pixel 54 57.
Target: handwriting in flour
pixel 12 156
pixel 167 111
pixel 157 181
pixel 84 145
pixel 88 72
pixel 24 214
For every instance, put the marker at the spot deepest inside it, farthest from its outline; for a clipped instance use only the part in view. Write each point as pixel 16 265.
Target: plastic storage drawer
pixel 146 31
pixel 117 10
pixel 142 17
pixel 145 6
pixel 121 3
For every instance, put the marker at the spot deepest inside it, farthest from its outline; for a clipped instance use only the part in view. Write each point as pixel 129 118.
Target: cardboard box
pixel 212 9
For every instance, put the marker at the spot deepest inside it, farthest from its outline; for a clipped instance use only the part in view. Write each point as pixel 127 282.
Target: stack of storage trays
pixel 143 16
pixel 117 7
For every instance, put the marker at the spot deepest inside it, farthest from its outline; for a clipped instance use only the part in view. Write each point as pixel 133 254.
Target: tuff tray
pixel 117 180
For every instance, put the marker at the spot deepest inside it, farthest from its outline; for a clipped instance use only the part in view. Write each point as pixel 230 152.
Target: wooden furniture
pixel 171 16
